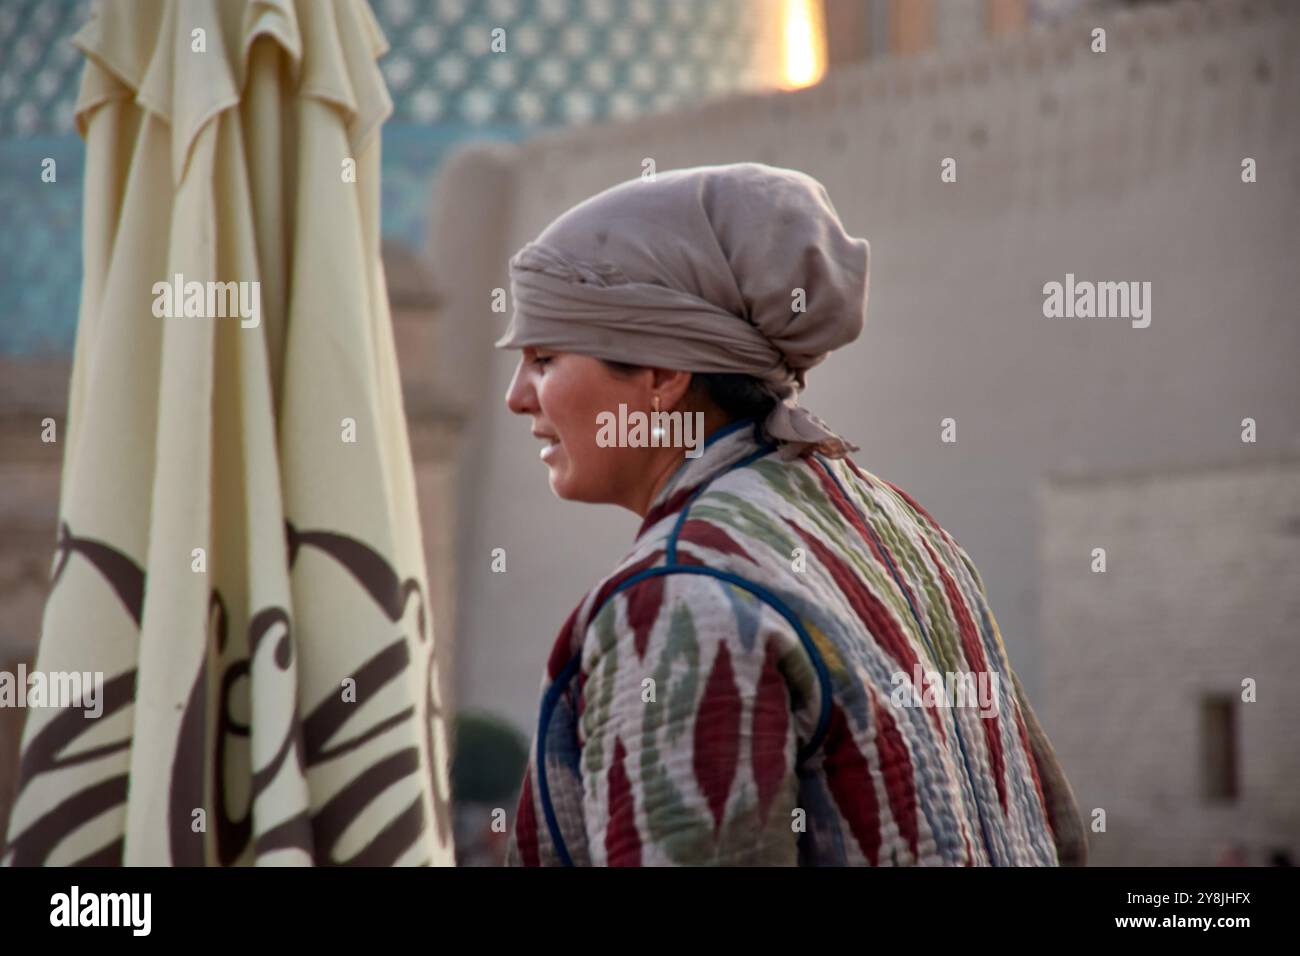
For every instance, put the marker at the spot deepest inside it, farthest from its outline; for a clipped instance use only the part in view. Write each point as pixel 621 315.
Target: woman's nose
pixel 520 396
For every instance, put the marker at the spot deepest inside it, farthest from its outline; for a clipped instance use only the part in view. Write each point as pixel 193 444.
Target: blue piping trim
pixel 763 452
pixel 763 594
pixel 549 702
pixel 566 675
pixel 562 680
pixel 961 744
pixel 728 429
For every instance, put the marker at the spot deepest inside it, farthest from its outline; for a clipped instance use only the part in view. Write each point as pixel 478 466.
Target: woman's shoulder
pixel 706 563
pixel 757 520
pixel 716 615
pixel 750 528
pixel 708 571
pixel 818 486
pixel 692 617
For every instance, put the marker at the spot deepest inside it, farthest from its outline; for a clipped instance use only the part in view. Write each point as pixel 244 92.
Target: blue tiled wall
pixel 566 61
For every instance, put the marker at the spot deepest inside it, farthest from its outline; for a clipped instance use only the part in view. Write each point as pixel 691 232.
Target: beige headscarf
pixel 699 270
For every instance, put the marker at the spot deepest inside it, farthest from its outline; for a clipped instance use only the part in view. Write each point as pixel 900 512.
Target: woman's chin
pixel 558 480
pixel 563 486
pixel 569 482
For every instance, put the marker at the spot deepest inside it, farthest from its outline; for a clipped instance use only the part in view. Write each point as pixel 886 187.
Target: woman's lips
pixel 550 448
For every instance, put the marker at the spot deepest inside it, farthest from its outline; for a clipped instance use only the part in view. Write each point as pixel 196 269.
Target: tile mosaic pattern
pixel 565 62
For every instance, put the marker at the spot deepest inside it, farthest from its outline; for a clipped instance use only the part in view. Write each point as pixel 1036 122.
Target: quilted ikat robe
pixel 736 691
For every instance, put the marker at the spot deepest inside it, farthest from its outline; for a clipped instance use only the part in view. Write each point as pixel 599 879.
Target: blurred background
pixel 1071 435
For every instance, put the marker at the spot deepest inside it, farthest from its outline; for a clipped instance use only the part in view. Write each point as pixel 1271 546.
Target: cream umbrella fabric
pixel 239 550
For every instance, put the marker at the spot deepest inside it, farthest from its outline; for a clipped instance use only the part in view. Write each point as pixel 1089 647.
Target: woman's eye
pixel 542 360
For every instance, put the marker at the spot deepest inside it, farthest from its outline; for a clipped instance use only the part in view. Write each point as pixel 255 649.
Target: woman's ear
pixel 670 385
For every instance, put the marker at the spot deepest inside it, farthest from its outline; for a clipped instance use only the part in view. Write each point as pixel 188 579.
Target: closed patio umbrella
pixel 239 549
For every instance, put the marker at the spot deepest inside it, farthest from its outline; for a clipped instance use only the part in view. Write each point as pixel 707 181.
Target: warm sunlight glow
pixel 804 41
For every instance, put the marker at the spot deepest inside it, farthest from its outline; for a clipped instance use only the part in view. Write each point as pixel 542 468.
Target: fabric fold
pixel 239 552
pixel 147 51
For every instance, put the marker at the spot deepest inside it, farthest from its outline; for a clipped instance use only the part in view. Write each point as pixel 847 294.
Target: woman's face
pixel 564 393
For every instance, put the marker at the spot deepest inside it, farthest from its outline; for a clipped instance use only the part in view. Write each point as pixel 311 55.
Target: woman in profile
pixel 766 677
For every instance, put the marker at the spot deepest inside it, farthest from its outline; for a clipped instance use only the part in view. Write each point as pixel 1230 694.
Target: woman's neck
pixel 667 461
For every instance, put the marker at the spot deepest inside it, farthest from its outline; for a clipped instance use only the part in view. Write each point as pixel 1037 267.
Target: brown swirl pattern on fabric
pixel 200 776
